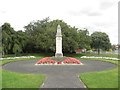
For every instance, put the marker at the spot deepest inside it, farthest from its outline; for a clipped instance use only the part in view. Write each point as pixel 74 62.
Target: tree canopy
pixel 42 33
pixel 13 42
pixel 39 36
pixel 100 40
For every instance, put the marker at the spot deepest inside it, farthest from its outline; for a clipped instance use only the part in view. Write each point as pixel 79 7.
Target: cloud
pixel 86 9
pixel 105 24
pixel 86 12
pixel 91 13
pixel 2 12
pixel 106 4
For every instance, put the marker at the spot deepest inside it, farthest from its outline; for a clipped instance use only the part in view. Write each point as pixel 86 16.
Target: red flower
pixel 71 60
pixel 46 60
pixel 68 60
pixel 59 62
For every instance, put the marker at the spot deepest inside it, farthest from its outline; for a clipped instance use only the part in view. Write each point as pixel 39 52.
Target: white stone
pixel 58 42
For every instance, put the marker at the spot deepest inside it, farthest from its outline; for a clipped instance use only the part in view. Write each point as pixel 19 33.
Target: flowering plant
pixel 68 60
pixel 110 58
pixel 46 60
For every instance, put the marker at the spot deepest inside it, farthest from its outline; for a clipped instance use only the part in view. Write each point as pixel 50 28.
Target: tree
pixel 100 40
pixel 42 33
pixel 13 42
pixel 7 36
pixel 38 33
pixel 39 36
pixel 84 40
pixel 1 42
pixel 22 39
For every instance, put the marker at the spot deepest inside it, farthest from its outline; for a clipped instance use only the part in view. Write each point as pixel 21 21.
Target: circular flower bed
pixel 70 60
pixel 46 60
pixel 49 61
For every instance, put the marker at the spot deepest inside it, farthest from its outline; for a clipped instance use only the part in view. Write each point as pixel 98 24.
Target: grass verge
pixel 102 55
pixel 103 79
pixel 18 80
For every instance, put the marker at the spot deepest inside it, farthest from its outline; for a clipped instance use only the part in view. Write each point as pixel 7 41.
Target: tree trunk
pixel 3 54
pixel 98 51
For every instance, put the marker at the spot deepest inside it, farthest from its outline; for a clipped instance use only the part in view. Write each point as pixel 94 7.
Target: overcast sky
pixel 95 15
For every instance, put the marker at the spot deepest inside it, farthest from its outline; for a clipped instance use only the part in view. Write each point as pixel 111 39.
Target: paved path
pixel 60 76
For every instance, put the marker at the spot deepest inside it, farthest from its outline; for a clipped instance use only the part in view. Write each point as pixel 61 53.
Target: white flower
pixel 18 57
pixel 100 57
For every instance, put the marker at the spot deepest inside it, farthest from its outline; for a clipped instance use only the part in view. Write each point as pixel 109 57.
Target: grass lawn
pixel 18 80
pixel 102 79
pixel 0 79
pixel 102 55
pixel 31 54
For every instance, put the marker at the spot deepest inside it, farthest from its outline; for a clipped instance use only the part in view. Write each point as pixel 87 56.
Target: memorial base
pixel 58 55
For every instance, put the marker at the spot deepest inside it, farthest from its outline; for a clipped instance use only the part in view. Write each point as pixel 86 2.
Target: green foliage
pixel 7 37
pixel 16 48
pixel 84 39
pixel 12 41
pixel 100 40
pixel 39 36
pixel 113 47
pixel 42 33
